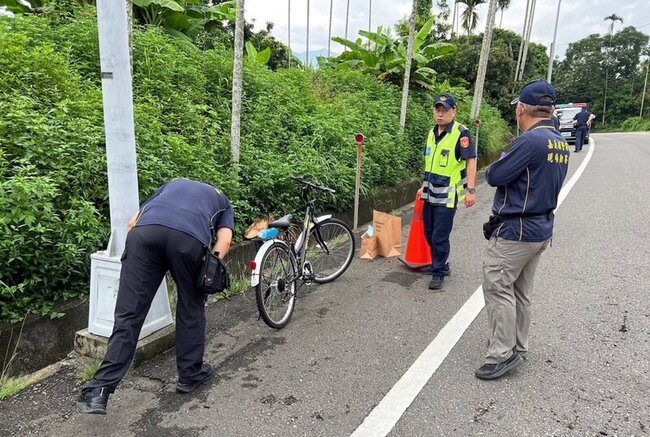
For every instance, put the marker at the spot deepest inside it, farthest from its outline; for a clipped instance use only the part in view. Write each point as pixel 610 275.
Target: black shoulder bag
pixel 490 226
pixel 214 277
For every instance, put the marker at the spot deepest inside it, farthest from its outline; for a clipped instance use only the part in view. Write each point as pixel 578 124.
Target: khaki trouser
pixel 508 272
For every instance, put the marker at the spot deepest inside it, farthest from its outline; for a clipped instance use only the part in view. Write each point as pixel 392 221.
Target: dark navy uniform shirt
pixel 528 178
pixel 196 208
pixel 582 118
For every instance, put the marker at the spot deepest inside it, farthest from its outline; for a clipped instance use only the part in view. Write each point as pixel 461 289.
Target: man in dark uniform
pixel 171 232
pixel 449 178
pixel 582 121
pixel 528 178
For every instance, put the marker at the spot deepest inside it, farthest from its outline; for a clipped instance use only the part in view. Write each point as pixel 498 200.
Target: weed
pixel 88 371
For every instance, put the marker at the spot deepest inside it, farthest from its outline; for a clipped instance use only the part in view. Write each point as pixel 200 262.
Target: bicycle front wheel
pixel 330 248
pixel 276 292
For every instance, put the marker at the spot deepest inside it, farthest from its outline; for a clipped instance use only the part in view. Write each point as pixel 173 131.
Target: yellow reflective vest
pixel 445 177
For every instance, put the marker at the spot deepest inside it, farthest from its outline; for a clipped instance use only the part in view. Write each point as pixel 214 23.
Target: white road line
pixel 385 415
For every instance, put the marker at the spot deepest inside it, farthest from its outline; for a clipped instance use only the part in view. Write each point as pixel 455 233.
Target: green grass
pixel 13 386
pixel 88 371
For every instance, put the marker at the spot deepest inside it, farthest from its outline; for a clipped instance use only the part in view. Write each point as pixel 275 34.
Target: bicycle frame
pixel 297 250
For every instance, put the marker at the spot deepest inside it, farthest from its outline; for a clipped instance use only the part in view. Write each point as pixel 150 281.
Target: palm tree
pixel 470 16
pixel 502 5
pixel 614 18
pixel 483 61
pixel 407 67
pixel 235 124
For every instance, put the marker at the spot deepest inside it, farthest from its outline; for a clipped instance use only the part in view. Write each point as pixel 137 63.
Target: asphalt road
pixel 350 342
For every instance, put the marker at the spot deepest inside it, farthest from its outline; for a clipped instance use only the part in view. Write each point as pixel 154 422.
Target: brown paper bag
pixel 368 247
pixel 388 231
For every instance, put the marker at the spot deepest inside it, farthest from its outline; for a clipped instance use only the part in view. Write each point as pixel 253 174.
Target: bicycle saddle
pixel 282 222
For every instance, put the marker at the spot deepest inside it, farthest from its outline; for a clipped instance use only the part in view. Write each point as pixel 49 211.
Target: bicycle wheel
pixel 331 254
pixel 276 292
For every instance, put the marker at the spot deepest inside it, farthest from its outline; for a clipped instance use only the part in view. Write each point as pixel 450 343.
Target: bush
pixel 53 185
pixel 636 124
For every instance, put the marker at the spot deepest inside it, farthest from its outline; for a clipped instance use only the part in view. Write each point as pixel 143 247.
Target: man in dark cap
pixel 170 232
pixel 449 178
pixel 528 177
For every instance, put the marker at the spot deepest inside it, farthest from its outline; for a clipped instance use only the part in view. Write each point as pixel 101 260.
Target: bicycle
pixel 321 253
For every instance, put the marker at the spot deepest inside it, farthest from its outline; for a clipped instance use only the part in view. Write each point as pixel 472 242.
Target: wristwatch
pixel 471 190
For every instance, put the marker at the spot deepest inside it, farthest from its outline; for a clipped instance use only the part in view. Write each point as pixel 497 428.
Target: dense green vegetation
pixel 53 184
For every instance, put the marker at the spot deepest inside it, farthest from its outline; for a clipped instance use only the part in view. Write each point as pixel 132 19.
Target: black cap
pixel 446 100
pixel 537 93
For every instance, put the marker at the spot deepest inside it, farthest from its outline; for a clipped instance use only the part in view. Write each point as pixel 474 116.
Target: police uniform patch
pixel 464 142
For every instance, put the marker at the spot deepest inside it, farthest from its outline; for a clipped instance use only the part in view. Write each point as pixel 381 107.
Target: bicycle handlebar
pixel 312 185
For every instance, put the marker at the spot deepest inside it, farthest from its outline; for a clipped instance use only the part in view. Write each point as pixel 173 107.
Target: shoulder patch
pixel 464 142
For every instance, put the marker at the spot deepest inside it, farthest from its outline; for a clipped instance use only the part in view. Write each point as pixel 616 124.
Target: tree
pixel 502 5
pixel 614 18
pixel 407 67
pixel 470 15
pixel 581 76
pixel 235 124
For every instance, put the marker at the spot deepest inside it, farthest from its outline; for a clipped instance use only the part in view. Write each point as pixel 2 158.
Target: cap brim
pixel 445 104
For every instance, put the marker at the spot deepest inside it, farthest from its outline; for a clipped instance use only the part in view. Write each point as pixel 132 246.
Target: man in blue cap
pixel 449 178
pixel 528 177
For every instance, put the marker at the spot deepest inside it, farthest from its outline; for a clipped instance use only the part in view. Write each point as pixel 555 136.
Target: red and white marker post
pixel 359 138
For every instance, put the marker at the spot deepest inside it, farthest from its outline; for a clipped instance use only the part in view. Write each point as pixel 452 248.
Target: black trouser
pixel 581 133
pixel 149 253
pixel 438 223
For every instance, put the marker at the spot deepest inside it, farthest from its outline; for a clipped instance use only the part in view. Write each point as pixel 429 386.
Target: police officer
pixel 528 178
pixel 449 178
pixel 171 231
pixel 582 121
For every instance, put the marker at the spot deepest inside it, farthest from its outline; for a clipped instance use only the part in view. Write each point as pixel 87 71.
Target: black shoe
pixel 188 387
pixel 494 371
pixel 429 269
pixel 93 401
pixel 436 283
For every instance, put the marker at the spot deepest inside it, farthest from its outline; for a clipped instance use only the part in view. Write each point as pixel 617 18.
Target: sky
pixel 578 19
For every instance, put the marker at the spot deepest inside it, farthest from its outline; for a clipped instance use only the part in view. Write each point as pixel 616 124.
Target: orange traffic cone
pixel 417 253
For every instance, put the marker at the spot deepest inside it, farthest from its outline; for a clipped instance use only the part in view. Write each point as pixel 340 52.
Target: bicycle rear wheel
pixel 330 248
pixel 276 291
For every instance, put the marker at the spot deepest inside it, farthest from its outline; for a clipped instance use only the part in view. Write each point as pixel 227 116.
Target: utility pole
pixel 307 54
pixel 552 54
pixel 347 19
pixel 645 84
pixel 483 61
pixel 117 101
pixel 329 32
pixel 289 32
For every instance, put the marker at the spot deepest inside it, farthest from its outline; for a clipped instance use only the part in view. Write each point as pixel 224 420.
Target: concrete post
pixel 122 173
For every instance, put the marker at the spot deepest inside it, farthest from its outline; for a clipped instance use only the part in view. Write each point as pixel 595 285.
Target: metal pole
pixel 550 60
pixel 357 184
pixel 289 31
pixel 307 53
pixel 347 18
pixel 647 66
pixel 329 33
pixel 370 16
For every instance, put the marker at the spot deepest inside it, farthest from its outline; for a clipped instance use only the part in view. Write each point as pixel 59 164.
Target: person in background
pixel 582 121
pixel 170 232
pixel 528 178
pixel 449 178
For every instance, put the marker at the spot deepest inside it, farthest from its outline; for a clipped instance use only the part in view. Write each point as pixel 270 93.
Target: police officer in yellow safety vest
pixel 449 178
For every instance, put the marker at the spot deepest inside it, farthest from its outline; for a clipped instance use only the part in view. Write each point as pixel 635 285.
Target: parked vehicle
pixel 565 113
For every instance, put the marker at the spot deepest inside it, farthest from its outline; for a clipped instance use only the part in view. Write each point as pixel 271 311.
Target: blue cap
pixel 536 92
pixel 446 100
